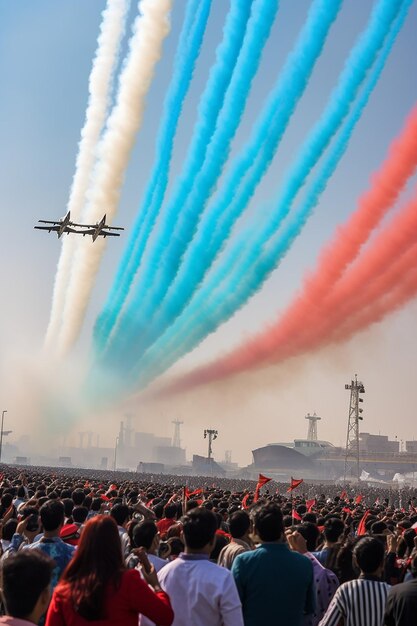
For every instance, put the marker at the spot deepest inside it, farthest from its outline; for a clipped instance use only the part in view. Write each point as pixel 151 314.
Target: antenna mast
pixel 312 426
pixel 352 439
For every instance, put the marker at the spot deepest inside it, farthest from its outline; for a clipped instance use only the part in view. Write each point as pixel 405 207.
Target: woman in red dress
pixel 97 587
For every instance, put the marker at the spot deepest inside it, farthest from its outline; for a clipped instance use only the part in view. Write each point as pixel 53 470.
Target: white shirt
pixel 201 592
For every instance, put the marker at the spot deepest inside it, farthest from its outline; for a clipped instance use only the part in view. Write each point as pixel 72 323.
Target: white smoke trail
pixel 101 77
pixel 145 48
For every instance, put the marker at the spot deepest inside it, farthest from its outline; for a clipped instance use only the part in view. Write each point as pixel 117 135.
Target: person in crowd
pixel 303 540
pixel 52 518
pixel 146 536
pixel 121 514
pixel 26 588
pixel 96 586
pixel 239 526
pixel 401 607
pixel 362 601
pixel 273 575
pixel 201 592
pixel 333 533
pixel 164 524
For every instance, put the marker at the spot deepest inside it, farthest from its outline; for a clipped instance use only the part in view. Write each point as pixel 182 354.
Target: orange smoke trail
pixel 320 305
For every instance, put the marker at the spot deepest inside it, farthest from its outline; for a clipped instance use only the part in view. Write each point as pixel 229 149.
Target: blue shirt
pixel 275 585
pixel 57 550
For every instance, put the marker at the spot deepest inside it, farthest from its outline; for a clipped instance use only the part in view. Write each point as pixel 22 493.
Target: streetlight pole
pixel 1 433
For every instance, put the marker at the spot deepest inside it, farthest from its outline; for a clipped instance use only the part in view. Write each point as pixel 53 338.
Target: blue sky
pixel 46 49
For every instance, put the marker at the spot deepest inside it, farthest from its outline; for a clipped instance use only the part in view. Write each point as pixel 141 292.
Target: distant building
pixel 378 443
pixel 411 446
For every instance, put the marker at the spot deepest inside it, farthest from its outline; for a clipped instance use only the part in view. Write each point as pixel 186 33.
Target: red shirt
pixel 122 605
pixel 164 525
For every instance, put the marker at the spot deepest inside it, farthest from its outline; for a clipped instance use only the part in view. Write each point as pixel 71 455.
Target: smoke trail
pixel 145 47
pixel 218 300
pixel 188 51
pixel 179 227
pixel 253 161
pixel 209 108
pixel 380 281
pixel 104 64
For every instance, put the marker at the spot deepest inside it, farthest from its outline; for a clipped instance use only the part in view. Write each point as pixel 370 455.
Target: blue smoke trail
pixel 250 166
pixel 222 296
pixel 188 51
pixel 179 226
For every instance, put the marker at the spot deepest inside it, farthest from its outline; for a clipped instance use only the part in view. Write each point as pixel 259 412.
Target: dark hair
pixel 52 515
pixel 97 562
pixel 120 512
pixel 25 575
pixel 21 493
pixel 96 504
pixel 239 524
pixel 310 532
pixel 170 510
pixel 144 533
pixel 9 529
pixel 333 529
pixel 369 554
pixel 79 514
pixel 199 528
pixel 176 546
pixel 78 496
pixel 68 506
pixel 268 522
pixel 378 527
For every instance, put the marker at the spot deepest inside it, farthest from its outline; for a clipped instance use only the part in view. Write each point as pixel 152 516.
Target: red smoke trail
pixel 295 331
pixel 402 278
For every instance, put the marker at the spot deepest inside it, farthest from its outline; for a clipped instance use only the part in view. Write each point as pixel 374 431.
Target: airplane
pixel 60 227
pixel 99 229
pixel 64 225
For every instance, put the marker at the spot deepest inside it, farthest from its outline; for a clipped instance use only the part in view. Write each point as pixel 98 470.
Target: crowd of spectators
pixel 119 549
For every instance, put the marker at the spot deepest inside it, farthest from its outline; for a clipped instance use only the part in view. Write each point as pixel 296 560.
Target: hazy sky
pixel 46 50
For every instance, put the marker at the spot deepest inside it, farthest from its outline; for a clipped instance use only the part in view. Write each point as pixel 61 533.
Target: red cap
pixel 70 533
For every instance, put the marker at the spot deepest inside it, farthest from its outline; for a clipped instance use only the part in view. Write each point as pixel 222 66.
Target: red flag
pixel 343 495
pixel 295 515
pixel 346 510
pixel 361 527
pixel 188 494
pixel 310 504
pixel 358 499
pixel 262 480
pixel 105 498
pixel 294 483
pixel 244 501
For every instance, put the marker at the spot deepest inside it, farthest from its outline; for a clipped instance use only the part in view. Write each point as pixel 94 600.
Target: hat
pixel 70 533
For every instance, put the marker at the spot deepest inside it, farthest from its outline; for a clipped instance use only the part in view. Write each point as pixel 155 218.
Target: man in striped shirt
pixel 361 602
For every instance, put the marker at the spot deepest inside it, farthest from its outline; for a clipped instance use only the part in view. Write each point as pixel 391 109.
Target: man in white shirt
pixel 201 593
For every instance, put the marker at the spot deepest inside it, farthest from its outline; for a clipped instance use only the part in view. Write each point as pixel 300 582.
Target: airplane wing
pixel 104 233
pixel 48 222
pixel 113 227
pixel 48 228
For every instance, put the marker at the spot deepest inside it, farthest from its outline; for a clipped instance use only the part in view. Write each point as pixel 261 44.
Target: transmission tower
pixel 312 427
pixel 352 439
pixel 212 435
pixel 176 442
